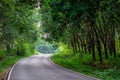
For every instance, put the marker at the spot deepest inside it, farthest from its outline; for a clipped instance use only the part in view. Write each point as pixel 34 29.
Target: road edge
pixel 70 70
pixel 10 71
pixel 6 75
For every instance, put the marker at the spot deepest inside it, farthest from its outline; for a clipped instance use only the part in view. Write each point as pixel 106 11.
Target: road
pixel 39 67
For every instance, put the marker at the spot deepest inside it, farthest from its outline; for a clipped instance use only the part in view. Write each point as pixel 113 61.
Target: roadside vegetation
pixel 7 61
pixel 18 30
pixel 91 31
pixel 44 47
pixel 108 70
pixel 87 33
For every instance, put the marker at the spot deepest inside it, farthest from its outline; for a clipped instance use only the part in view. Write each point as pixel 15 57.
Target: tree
pixel 18 23
pixel 88 26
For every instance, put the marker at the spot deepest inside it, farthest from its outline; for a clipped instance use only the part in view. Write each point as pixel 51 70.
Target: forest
pixel 84 33
pixel 89 27
pixel 18 30
pixel 88 33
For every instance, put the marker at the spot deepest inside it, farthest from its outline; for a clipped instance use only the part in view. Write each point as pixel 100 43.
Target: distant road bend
pixel 39 67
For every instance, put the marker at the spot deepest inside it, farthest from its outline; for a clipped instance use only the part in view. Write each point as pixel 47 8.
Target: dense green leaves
pixel 88 26
pixel 18 24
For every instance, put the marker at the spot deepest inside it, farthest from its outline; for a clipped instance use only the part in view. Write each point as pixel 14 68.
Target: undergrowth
pixel 108 70
pixel 9 59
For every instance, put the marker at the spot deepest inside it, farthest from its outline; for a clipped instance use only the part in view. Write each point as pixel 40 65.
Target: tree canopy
pixel 18 24
pixel 87 26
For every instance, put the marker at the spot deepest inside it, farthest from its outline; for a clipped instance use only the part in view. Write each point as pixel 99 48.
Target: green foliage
pixel 43 46
pixel 109 74
pixel 64 48
pixel 2 53
pixel 25 49
pixel 18 30
pixel 80 65
pixel 8 61
pixel 87 58
pixel 87 26
pixel 18 26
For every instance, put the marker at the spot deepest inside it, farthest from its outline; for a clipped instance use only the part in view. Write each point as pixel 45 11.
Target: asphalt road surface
pixel 39 67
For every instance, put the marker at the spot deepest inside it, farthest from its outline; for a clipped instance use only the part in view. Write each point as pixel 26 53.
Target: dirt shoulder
pixel 3 75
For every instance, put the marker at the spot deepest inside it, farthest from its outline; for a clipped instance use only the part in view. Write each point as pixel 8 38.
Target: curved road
pixel 39 67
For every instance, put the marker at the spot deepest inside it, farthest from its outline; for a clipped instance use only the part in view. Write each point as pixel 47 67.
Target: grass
pixel 86 66
pixel 7 60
